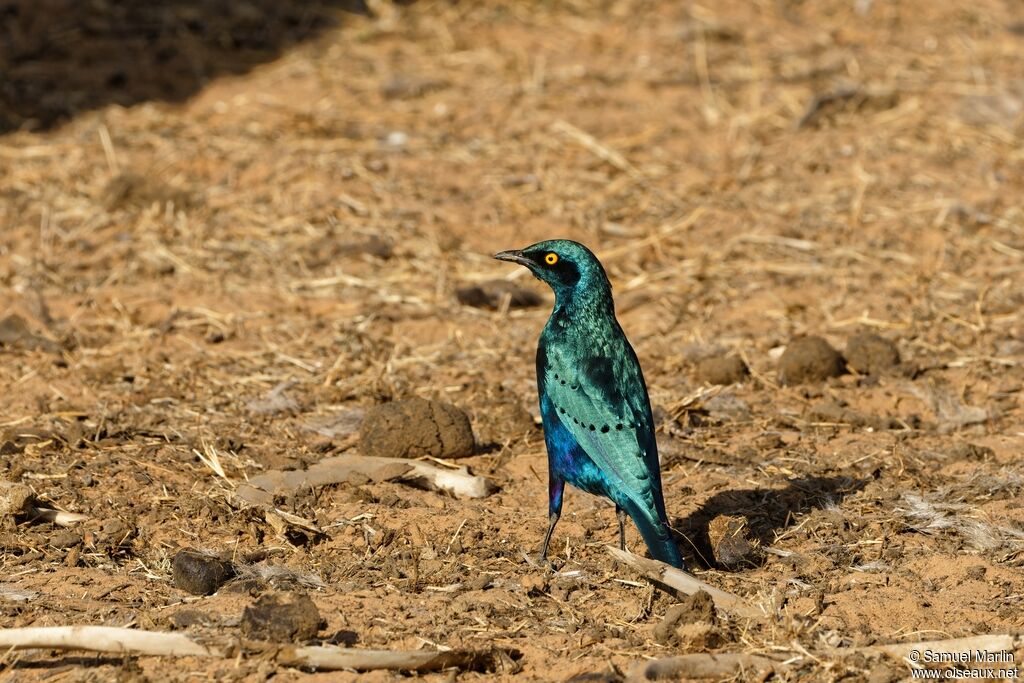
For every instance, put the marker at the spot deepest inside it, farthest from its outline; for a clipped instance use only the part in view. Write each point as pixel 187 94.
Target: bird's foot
pixel 539 561
pixel 546 564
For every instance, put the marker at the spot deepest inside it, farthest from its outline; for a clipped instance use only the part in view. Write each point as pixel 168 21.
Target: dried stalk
pixel 679 580
pixel 459 483
pixel 701 665
pixel 103 639
pixel 323 657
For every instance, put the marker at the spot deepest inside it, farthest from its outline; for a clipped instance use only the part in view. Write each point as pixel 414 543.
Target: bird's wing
pixel 601 399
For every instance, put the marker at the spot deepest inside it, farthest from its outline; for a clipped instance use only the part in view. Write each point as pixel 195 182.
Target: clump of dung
pixel 809 359
pixel 722 370
pixel 870 354
pixel 414 428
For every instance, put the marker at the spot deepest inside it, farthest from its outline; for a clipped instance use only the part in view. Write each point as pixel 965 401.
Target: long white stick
pixel 325 657
pixel 459 483
pixel 686 583
pixel 104 639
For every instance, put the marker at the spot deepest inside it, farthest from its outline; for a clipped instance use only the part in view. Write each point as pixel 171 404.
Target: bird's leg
pixel 621 514
pixel 556 486
pixel 552 521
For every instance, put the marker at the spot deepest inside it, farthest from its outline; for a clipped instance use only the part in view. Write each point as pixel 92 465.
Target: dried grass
pixel 213 277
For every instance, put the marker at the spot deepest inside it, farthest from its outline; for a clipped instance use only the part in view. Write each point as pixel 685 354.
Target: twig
pixel 610 156
pixel 336 658
pixel 679 580
pixel 459 483
pixel 157 643
pixel 598 149
pixel 701 665
pixel 987 643
pixel 103 639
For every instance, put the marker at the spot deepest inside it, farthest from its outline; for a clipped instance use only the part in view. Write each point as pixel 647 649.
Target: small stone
pixel 199 573
pixel 870 354
pixel 281 618
pixel 65 539
pixel 769 441
pixel 480 583
pixel 722 370
pixel 189 617
pixel 976 573
pixel 415 428
pixel 809 359
pixel 730 543
pixel 15 333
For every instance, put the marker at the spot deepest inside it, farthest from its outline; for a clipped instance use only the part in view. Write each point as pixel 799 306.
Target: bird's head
pixel 567 266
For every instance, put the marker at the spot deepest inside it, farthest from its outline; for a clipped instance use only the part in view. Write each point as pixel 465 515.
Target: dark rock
pixel 199 573
pixel 281 618
pixel 116 532
pixel 870 354
pixel 722 370
pixel 189 617
pixel 414 428
pixel 976 573
pixel 490 294
pixel 65 538
pixel 731 544
pixel 809 359
pixel 16 334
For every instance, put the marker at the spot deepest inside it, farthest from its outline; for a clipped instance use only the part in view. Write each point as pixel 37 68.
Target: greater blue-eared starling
pixel 598 426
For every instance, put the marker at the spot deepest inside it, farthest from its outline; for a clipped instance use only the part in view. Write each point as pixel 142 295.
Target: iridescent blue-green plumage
pixel 597 418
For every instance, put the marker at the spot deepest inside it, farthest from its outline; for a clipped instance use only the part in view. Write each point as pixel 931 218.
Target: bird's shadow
pixel 767 511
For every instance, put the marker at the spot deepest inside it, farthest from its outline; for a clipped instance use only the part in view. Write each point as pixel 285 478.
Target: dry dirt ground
pixel 750 172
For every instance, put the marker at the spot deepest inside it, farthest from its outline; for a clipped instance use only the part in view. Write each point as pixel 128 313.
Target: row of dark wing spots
pixel 604 428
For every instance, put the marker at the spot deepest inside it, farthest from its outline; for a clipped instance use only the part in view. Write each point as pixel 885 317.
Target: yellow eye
pixel 551 258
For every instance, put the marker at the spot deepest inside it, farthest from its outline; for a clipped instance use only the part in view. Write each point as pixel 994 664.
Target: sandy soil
pixel 749 172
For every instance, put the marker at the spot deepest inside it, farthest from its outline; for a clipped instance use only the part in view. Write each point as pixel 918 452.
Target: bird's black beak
pixel 515 256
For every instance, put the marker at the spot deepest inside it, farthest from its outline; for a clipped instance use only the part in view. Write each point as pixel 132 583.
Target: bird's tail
pixel 656 534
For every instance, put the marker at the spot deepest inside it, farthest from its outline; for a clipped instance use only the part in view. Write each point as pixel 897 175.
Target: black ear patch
pixel 567 272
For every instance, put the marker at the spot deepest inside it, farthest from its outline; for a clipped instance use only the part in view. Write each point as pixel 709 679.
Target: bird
pixel 595 410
